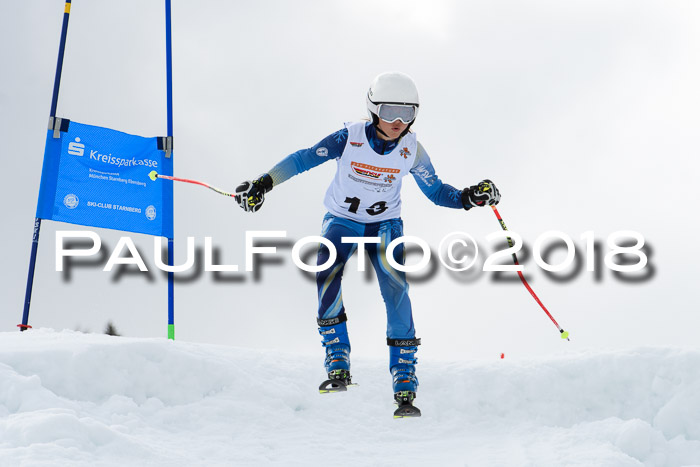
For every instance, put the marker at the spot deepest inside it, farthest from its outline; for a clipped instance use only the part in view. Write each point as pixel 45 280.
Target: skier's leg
pixel 331 311
pixel 394 288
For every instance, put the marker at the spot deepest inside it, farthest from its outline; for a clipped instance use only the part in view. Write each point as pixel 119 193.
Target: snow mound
pixel 68 398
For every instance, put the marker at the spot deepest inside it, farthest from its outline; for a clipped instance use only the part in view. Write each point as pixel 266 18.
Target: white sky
pixel 585 113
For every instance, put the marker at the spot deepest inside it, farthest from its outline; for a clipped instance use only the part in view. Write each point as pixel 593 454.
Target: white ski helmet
pixel 392 87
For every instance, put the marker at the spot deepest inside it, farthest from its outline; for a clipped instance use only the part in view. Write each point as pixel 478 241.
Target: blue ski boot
pixel 334 336
pixel 403 371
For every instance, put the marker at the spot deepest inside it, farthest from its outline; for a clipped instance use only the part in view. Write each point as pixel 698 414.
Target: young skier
pixel 364 200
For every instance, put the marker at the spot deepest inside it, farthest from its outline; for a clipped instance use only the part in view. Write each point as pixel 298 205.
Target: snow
pixel 68 398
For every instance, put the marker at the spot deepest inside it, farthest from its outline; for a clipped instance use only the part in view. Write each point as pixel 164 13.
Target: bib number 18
pixel 374 210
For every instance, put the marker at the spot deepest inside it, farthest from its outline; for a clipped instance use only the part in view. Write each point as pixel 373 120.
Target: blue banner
pixel 99 177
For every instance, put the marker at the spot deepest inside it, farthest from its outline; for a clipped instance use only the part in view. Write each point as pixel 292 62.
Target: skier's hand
pixel 250 195
pixel 483 194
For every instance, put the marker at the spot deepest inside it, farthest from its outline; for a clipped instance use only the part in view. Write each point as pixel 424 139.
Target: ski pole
pixel 564 334
pixel 155 175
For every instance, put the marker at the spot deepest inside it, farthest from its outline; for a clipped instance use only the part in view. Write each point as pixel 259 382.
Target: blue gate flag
pixel 98 177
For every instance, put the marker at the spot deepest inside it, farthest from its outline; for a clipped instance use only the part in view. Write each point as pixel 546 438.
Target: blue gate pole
pixel 171 247
pixel 37 220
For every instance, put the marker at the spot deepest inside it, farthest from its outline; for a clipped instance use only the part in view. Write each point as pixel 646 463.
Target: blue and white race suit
pixel 364 200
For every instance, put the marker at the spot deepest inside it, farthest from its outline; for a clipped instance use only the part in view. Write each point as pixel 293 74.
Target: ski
pixel 404 399
pixel 407 409
pixel 338 381
pixel 334 385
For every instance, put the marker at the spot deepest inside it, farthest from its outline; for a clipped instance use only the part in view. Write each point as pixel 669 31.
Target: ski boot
pixel 403 372
pixel 335 339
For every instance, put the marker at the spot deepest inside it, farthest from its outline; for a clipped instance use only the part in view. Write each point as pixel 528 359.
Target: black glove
pixel 483 194
pixel 250 195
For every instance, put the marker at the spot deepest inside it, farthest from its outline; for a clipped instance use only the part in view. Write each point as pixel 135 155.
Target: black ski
pixel 406 409
pixel 338 381
pixel 404 399
pixel 332 385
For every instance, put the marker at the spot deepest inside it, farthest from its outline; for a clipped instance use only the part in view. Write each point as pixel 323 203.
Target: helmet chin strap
pixel 379 130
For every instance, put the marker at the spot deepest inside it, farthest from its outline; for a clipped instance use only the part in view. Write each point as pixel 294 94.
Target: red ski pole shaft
pixel 564 334
pixel 155 175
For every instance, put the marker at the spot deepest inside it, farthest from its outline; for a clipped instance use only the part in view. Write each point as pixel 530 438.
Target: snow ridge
pixel 68 398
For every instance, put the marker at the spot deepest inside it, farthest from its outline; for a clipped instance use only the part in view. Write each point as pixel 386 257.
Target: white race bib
pixel 367 186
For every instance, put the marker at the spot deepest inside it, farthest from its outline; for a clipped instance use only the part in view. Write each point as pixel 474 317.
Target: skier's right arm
pixel 330 147
pixel 250 195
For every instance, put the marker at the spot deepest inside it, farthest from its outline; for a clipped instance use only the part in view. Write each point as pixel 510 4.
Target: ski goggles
pixel 392 112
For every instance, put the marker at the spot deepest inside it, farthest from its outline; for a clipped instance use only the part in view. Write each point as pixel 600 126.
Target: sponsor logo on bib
pixel 373 172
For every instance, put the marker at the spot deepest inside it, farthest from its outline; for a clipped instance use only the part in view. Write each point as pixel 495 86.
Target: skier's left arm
pixel 430 184
pixel 442 194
